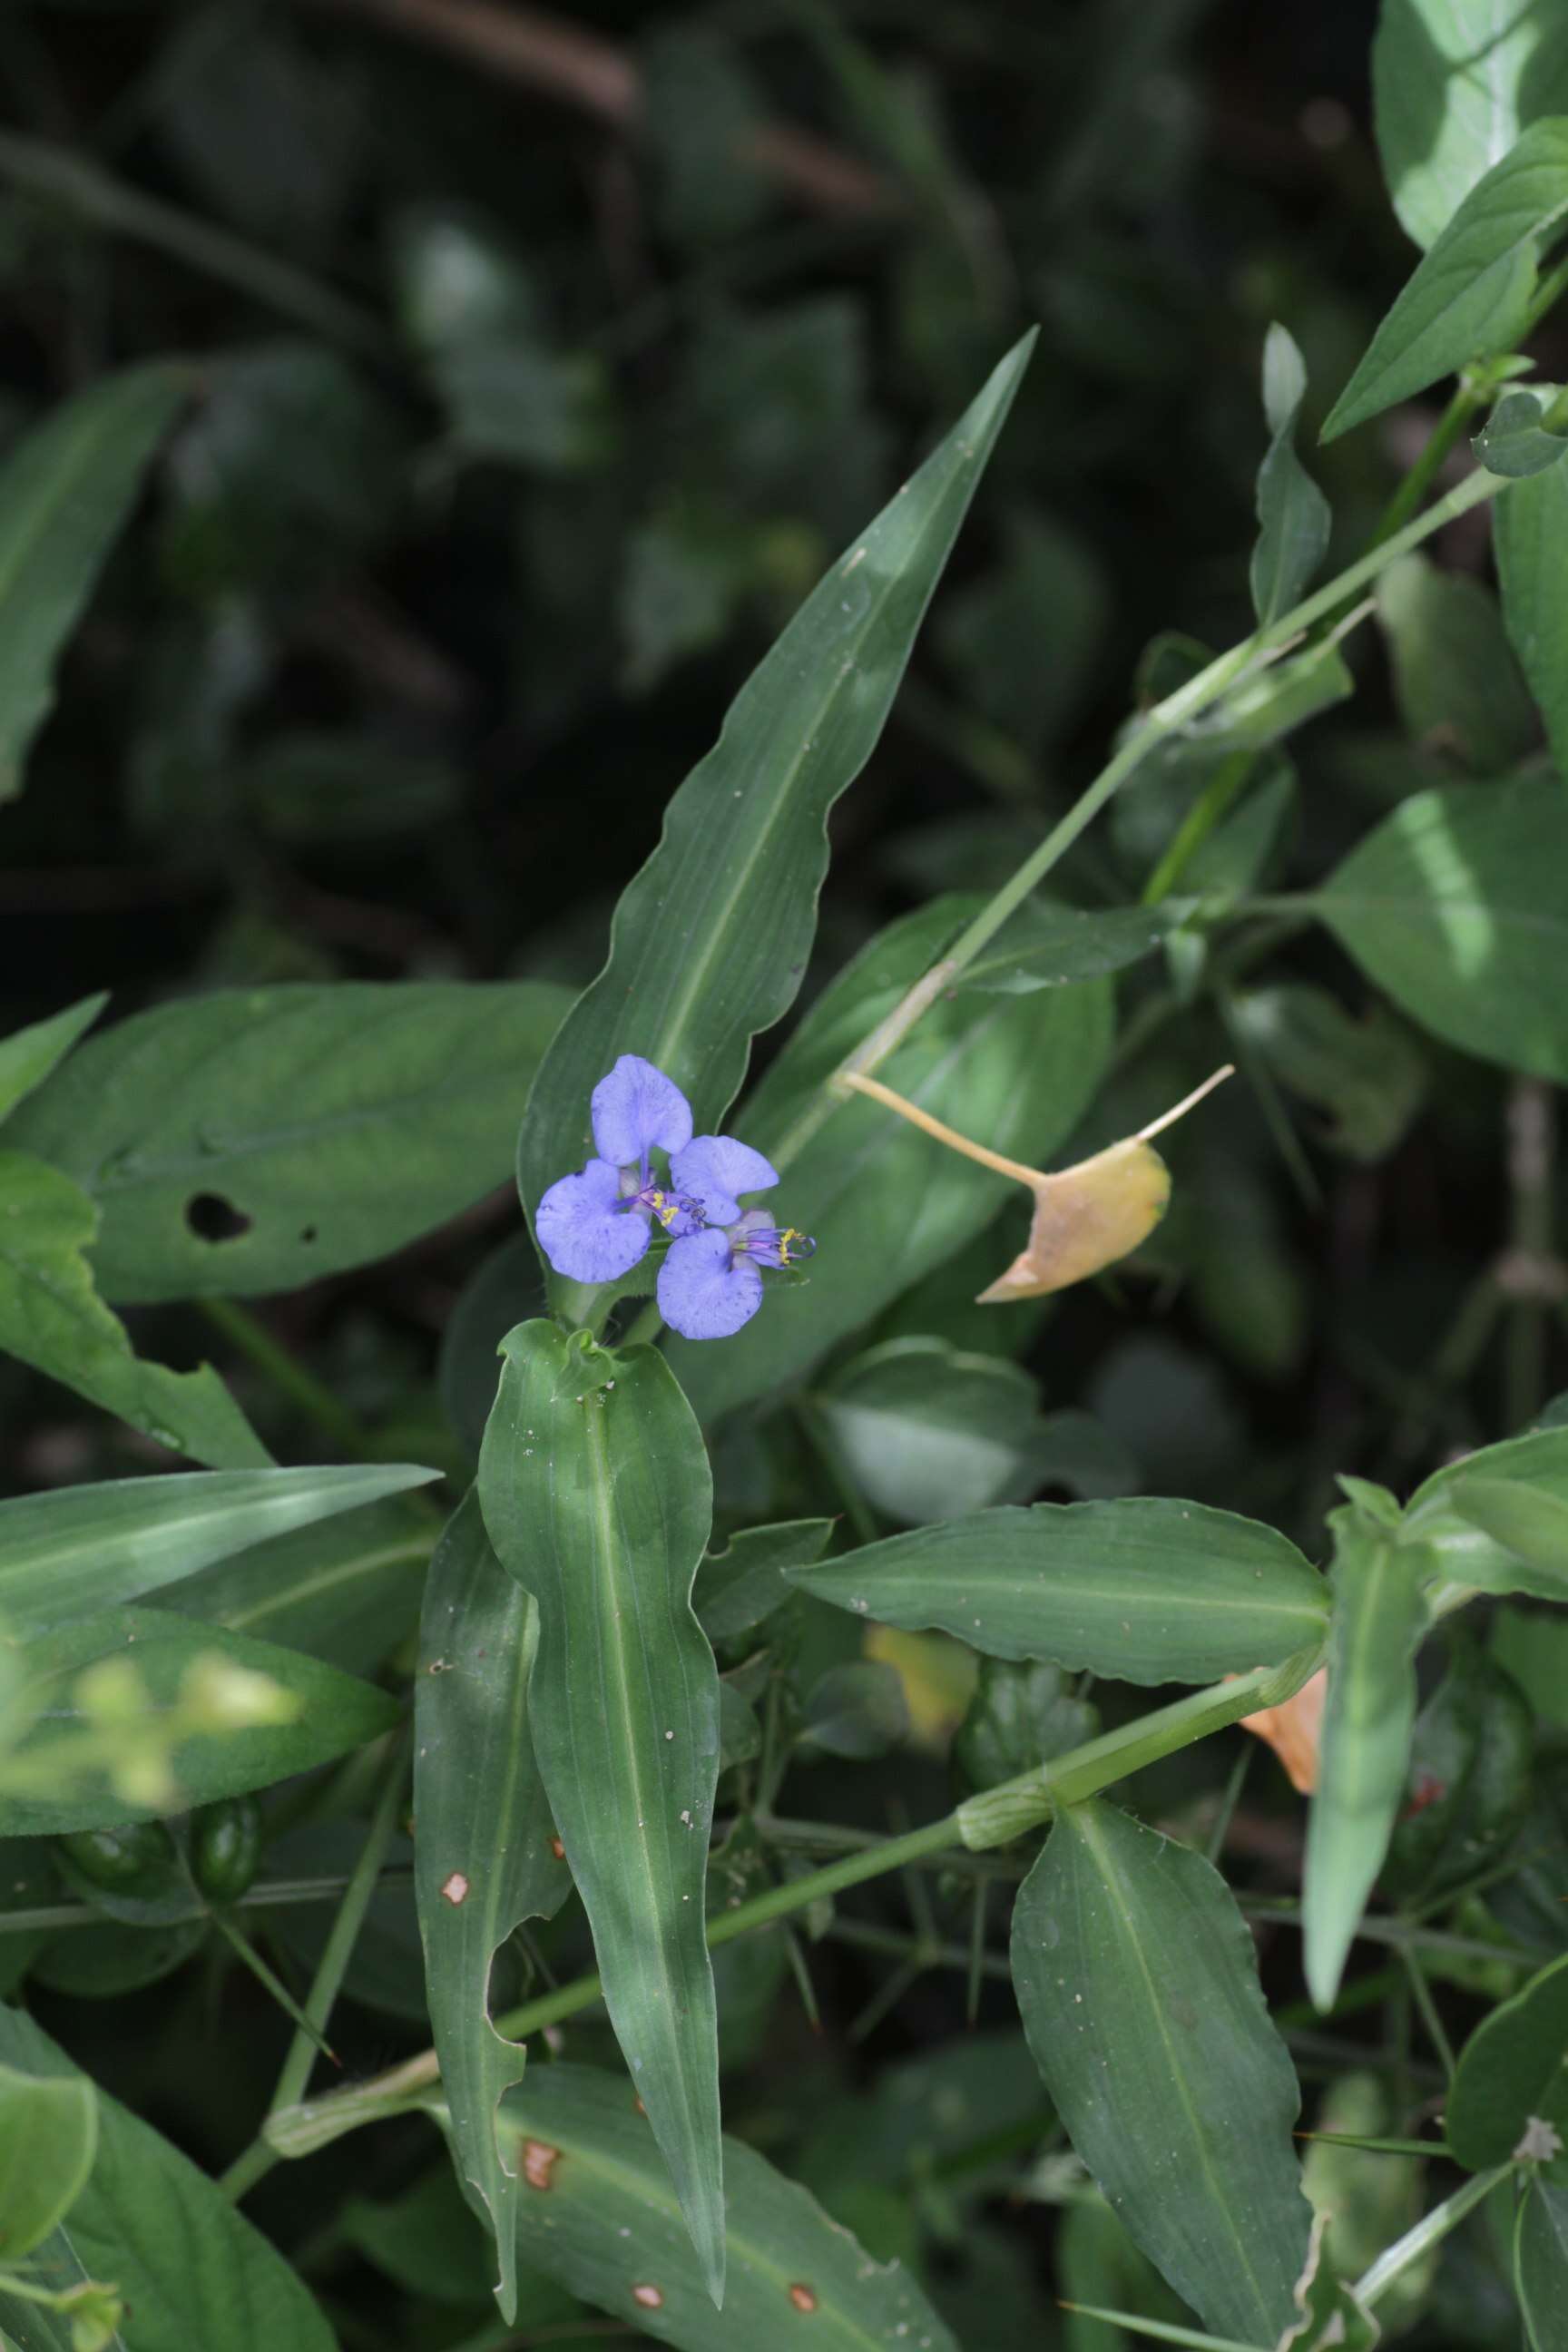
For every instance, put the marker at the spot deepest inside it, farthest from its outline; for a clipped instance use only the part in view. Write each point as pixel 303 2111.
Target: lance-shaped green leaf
pixel 347 1589
pixel 334 1713
pixel 1469 295
pixel 1513 2070
pixel 1142 1590
pixel 49 2131
pixel 85 1549
pixel 1498 1520
pixel 597 1498
pixel 1378 1619
pixel 484 1858
pixel 1529 528
pixel 65 492
pixel 1138 1986
pixel 53 1319
pixel 255 1139
pixel 29 1055
pixel 1456 906
pixel 712 938
pixel 885 1202
pixel 597 2213
pixel 1454 83
pixel 189 2268
pixel 1049 946
pixel 1541 2263
pixel 738 1589
pixel 1293 518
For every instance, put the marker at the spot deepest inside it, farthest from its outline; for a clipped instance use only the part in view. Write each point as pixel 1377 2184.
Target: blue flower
pixel 595 1226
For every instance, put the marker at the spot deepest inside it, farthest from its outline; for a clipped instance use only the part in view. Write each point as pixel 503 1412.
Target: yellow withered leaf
pixel 1085 1217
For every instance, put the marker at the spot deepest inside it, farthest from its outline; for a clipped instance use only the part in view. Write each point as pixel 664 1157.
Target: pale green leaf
pixel 335 1713
pixel 885 1203
pixel 1378 1619
pixel 49 2132
pixel 1529 528
pixel 1498 1520
pixel 1513 2067
pixel 712 938
pixel 1455 678
pixel 253 1140
pixel 191 2272
pixel 597 1498
pixel 598 2214
pixel 930 1433
pixel 1142 1590
pixel 1454 83
pixel 484 1858
pixel 53 1319
pixel 1138 1985
pixel 1458 905
pixel 81 1549
pixel 1469 295
pixel 1293 518
pixel 65 492
pixel 29 1055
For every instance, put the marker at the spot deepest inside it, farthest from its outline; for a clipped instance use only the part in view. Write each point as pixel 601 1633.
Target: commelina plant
pixel 562 1789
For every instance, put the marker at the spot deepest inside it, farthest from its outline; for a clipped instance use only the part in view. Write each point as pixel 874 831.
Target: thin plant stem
pixel 1429 2231
pixel 1421 1991
pixel 1216 798
pixel 1228 1802
pixel 247 1332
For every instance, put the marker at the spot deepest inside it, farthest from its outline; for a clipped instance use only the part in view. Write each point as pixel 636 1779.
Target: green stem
pixel 1466 401
pixel 247 1332
pixel 267 1895
pixel 1216 798
pixel 1428 2231
pixel 259 2158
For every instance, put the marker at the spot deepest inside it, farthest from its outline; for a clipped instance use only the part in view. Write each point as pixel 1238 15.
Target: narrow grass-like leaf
pixel 484 1858
pixel 1138 1985
pixel 596 2212
pixel 1514 2067
pixel 1454 83
pixel 1457 907
pixel 1469 295
pixel 253 1140
pixel 65 492
pixel 53 1319
pixel 49 2131
pixel 84 1548
pixel 1293 518
pixel 1530 530
pixel 1142 1590
pixel 886 1203
pixel 712 938
pixel 346 1590
pixel 191 2270
pixel 597 1498
pixel 1378 1619
pixel 335 1713
pixel 29 1055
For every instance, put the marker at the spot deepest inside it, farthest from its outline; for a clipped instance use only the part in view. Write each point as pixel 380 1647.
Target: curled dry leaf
pixel 1294 1730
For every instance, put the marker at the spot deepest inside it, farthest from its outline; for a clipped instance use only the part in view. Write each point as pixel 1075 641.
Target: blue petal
pixel 714 1170
pixel 703 1294
pixel 636 1107
pixel 582 1231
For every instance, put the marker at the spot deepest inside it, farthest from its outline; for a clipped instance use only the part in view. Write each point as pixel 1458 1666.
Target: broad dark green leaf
pixel 598 1499
pixel 1454 83
pixel 738 1589
pixel 1378 1619
pixel 1513 2067
pixel 1541 2259
pixel 28 1056
pixel 1516 442
pixel 346 1591
pixel 1455 678
pixel 886 1203
pixel 1498 1520
pixel 929 1432
pixel 1457 904
pixel 52 1317
pixel 336 1713
pixel 1469 1782
pixel 597 2213
pixel 1138 1985
pixel 65 492
pixel 484 1855
pixel 1293 518
pixel 712 938
pixel 1529 527
pixel 190 2270
pixel 81 1550
pixel 1143 1590
pixel 1021 1714
pixel 48 2133
pixel 1049 946
pixel 1468 296
pixel 253 1140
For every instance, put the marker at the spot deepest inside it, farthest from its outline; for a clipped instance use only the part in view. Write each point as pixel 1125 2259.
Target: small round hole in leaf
pixel 213 1219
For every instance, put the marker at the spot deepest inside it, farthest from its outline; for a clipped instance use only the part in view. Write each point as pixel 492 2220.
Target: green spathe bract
pixel 598 1499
